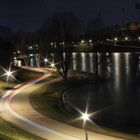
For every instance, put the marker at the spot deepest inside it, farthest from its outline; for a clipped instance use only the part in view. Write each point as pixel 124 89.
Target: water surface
pixel 117 100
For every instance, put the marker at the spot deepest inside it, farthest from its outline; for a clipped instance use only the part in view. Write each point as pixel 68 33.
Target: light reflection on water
pixel 74 61
pixel 119 94
pixel 91 62
pixel 83 63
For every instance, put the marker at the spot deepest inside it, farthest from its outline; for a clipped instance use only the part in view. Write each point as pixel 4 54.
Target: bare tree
pixel 63 29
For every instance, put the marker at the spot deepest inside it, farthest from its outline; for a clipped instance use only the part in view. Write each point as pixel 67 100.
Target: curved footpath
pixel 15 107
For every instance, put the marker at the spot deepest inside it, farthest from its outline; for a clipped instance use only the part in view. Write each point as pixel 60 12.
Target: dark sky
pixel 29 14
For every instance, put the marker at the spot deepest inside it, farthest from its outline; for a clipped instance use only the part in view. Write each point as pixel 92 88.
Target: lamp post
pixel 45 61
pixel 52 65
pixel 8 74
pixel 85 118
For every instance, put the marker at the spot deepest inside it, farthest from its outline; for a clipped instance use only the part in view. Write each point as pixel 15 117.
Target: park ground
pixel 47 101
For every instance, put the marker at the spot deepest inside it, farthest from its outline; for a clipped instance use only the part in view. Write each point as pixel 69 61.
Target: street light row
pixel 63 43
pixel 117 39
pixel 90 41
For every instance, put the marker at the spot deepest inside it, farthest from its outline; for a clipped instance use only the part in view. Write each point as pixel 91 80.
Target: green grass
pixel 46 100
pixel 10 132
pixel 25 75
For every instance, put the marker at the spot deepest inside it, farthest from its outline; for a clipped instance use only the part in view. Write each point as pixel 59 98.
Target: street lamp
pixel 90 41
pixel 116 39
pixel 8 73
pixel 52 65
pixel 82 41
pixel 85 117
pixel 51 43
pixel 46 60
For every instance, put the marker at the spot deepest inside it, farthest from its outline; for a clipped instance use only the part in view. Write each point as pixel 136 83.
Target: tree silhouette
pixel 63 28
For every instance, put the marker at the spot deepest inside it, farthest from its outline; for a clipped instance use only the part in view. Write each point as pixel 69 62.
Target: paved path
pixel 15 107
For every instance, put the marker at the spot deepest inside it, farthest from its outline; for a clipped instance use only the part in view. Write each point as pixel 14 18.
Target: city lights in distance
pixel 51 43
pixel 116 39
pixel 82 41
pixel 126 38
pixel 90 41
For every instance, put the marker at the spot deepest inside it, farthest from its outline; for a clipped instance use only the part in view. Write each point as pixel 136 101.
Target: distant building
pixel 33 55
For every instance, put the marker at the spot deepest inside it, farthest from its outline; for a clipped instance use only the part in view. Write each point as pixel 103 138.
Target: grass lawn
pixel 10 132
pixel 46 100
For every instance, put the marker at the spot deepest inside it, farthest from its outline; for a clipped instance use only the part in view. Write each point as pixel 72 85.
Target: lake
pixel 115 101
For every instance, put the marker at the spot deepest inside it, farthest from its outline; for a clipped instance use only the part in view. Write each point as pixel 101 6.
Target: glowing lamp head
pixel 46 60
pixel 82 41
pixel 116 39
pixel 85 116
pixel 126 38
pixel 8 73
pixel 52 65
pixel 90 41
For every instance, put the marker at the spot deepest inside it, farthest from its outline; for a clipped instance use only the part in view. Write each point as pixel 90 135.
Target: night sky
pixel 30 14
